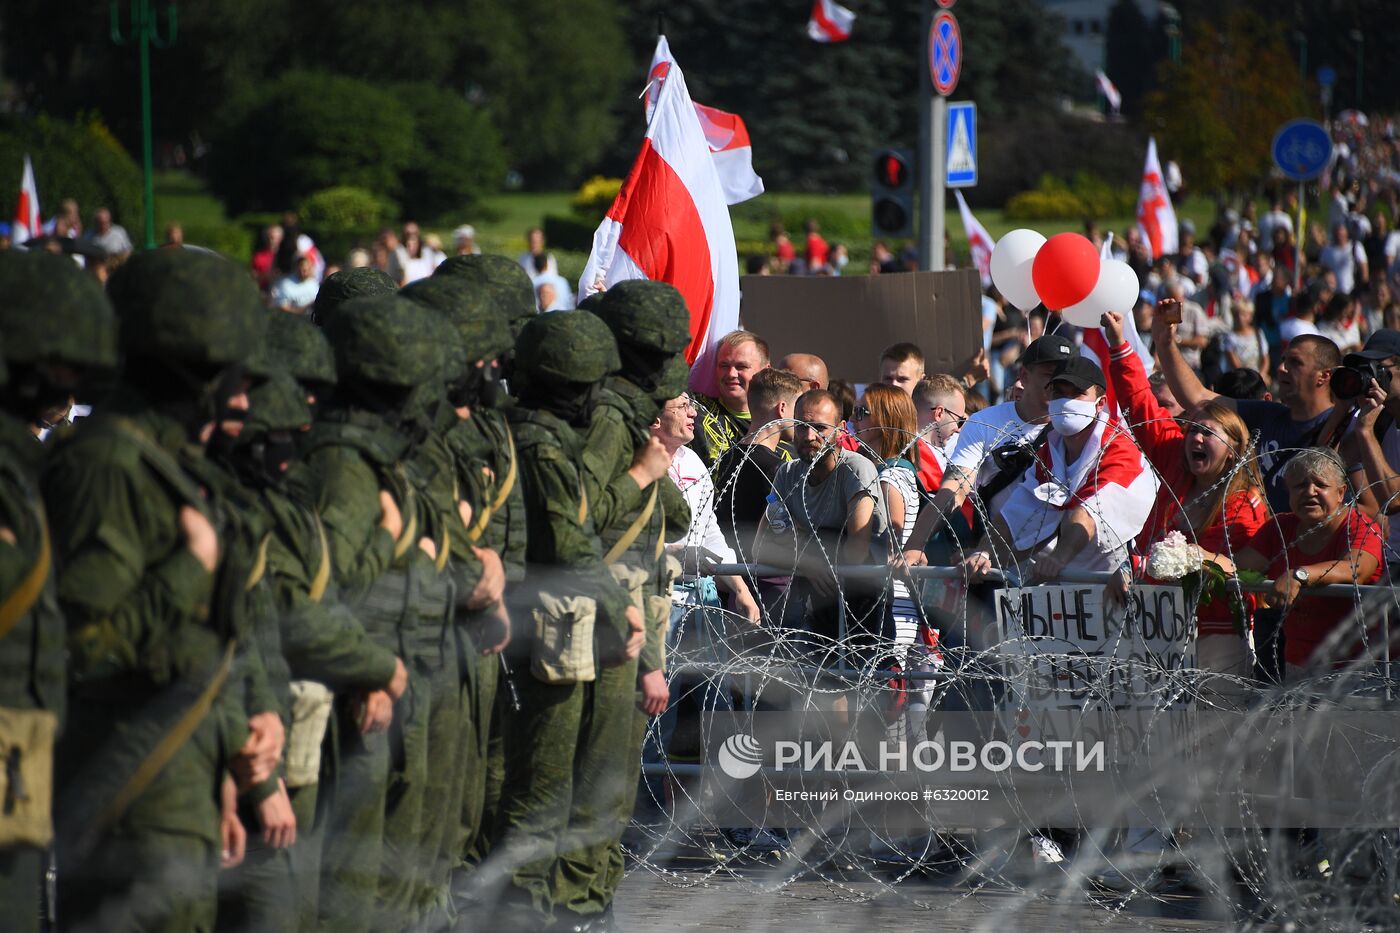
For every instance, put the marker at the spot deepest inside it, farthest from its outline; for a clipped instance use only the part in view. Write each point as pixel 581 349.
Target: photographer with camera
pixel 1372 448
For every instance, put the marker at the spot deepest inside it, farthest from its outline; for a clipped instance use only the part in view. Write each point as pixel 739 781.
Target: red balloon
pixel 1065 270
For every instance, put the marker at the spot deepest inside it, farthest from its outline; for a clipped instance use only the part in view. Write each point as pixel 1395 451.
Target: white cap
pixel 464 232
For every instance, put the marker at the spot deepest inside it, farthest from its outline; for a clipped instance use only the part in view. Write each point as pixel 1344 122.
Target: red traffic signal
pixel 891 170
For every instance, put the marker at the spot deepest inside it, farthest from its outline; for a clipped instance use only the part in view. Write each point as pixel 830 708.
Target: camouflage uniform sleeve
pixel 607 455
pixel 557 537
pixel 466 568
pixel 16 559
pixel 348 496
pixel 323 640
pixel 676 511
pixel 514 530
pixel 677 508
pixel 134 595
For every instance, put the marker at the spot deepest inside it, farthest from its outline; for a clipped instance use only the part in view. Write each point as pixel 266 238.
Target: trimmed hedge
pixel 1086 196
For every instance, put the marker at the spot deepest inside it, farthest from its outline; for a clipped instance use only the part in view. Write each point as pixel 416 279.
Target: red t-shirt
pixel 1312 618
pixel 816 250
pixel 784 250
pixel 1164 442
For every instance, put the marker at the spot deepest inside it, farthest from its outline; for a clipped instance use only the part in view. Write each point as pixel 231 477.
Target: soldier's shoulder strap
pixel 322 579
pixel 503 490
pixel 18 603
pixel 621 545
pixel 170 743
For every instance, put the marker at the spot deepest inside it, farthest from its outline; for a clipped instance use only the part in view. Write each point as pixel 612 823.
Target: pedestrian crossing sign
pixel 962 145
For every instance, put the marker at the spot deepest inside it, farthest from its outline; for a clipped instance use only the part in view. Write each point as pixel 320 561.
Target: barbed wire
pixel 1258 874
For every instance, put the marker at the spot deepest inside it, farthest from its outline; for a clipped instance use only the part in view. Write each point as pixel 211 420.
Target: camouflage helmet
pixel 345 285
pixel 299 347
pixel 591 301
pixel 483 328
pixel 54 312
pixel 505 281
pixel 385 339
pixel 279 404
pixel 190 306
pixel 566 346
pixel 645 314
pixel 675 379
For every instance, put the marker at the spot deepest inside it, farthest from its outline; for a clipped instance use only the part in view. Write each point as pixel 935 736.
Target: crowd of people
pixel 289 268
pixel 348 601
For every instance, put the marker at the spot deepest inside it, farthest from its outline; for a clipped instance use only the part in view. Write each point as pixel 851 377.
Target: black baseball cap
pixel 1381 345
pixel 1080 372
pixel 1050 348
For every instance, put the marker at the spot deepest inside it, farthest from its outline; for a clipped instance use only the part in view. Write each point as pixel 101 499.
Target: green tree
pixel 456 156
pixel 1216 112
pixel 817 112
pixel 306 132
pixel 549 73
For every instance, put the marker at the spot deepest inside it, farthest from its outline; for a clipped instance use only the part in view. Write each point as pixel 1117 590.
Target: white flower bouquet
pixel 1173 557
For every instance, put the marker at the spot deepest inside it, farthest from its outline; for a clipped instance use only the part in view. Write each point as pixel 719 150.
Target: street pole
pixel 1298 246
pixel 144 33
pixel 933 117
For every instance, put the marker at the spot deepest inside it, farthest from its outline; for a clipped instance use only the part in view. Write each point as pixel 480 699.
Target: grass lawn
pixel 182 198
pixel 502 222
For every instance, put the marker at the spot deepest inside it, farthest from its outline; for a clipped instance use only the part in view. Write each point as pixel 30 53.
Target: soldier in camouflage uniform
pixel 327 649
pixel 501 281
pixel 58 327
pixel 299 348
pixel 482 623
pixel 257 893
pixel 633 502
pixel 150 726
pixel 572 619
pixel 342 286
pixel 475 292
pixel 388 534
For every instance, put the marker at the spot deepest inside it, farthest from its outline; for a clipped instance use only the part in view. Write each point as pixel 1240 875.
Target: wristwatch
pixel 1302 576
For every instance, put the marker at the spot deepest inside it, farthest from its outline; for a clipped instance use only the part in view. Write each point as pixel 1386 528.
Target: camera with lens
pixel 1351 380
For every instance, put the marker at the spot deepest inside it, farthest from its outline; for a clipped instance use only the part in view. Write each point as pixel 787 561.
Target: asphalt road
pixel 725 901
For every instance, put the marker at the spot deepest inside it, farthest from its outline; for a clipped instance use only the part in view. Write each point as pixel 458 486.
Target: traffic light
pixel 892 194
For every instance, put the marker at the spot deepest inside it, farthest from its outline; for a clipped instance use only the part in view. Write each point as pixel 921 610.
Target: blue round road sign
pixel 944 52
pixel 1326 76
pixel 1302 149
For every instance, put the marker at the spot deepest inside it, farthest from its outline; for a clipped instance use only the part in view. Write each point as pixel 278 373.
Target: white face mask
pixel 1069 416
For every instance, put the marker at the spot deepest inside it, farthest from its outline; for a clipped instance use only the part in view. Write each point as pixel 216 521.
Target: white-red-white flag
pixel 726 134
pixel 830 22
pixel 1108 90
pixel 979 242
pixel 670 223
pixel 27 223
pixel 1155 215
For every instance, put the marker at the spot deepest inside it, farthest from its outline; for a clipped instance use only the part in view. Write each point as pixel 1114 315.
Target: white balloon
pixel 1117 290
pixel 1011 267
